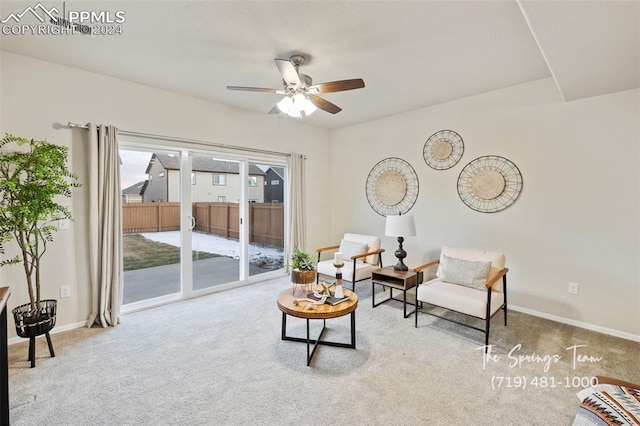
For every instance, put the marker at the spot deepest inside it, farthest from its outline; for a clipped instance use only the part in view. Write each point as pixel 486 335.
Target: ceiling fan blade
pixel 275 110
pixel 339 86
pixel 288 71
pixel 255 89
pixel 324 104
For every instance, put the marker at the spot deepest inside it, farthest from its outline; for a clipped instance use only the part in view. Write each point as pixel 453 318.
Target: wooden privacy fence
pixel 150 217
pixel 266 220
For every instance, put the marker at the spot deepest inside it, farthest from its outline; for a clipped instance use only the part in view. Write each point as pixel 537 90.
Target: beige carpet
pixel 219 360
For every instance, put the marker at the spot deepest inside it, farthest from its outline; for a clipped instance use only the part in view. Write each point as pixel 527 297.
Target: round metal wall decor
pixel 443 150
pixel 392 187
pixel 489 184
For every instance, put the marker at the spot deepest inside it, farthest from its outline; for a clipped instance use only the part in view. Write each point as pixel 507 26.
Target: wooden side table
pixel 286 303
pixel 400 280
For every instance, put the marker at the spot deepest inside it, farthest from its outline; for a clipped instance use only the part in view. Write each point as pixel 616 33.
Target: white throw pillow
pixel 351 248
pixel 464 272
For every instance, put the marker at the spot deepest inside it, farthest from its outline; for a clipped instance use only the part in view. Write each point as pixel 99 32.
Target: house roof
pixel 411 54
pixel 135 189
pixel 278 170
pixel 201 163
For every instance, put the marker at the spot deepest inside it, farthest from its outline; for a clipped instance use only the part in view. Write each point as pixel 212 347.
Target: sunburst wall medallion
pixel 489 184
pixel 443 150
pixel 392 187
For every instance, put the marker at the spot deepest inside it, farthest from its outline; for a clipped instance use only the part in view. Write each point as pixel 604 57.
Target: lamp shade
pixel 400 226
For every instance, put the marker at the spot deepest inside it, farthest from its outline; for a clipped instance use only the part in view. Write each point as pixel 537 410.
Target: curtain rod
pixel 185 140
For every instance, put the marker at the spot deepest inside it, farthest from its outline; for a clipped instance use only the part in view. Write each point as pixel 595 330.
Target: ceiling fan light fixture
pixel 303 103
pixel 295 105
pixel 285 104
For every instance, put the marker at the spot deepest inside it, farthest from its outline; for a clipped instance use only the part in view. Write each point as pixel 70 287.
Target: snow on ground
pixel 259 254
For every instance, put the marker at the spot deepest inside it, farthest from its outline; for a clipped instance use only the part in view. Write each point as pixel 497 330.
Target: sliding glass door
pixel 197 221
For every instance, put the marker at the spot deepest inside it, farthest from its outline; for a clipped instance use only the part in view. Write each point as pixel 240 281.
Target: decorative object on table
pixel 489 184
pixel 392 186
pixel 32 181
pixel 319 296
pixel 323 294
pixel 443 150
pixel 400 226
pixel 314 298
pixel 338 262
pixel 302 273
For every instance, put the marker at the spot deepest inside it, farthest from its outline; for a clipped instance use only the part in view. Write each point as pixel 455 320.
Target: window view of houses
pixel 211 179
pixel 151 193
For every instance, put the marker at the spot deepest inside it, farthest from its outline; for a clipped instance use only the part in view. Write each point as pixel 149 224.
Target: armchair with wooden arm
pixel 361 253
pixel 470 281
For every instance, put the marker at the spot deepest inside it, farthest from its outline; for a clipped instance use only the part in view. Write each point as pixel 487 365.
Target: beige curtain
pixel 105 223
pixel 296 179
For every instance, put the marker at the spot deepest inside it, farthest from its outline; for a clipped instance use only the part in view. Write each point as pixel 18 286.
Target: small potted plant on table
pixel 302 272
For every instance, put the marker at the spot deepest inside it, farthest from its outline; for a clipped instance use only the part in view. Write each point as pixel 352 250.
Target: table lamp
pixel 400 226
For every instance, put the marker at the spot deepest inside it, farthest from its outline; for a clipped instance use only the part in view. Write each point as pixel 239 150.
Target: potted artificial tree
pixel 33 178
pixel 302 271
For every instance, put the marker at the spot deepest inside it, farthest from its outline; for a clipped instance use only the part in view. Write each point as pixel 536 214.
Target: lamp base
pixel 400 266
pixel 400 255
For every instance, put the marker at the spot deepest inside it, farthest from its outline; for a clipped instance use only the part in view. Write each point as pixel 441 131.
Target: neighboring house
pixel 212 180
pixel 133 194
pixel 274 185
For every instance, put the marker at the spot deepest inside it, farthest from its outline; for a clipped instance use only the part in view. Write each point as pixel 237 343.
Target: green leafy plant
pixel 33 176
pixel 3 239
pixel 301 260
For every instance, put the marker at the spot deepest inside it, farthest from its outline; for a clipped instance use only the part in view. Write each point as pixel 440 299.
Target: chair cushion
pixel 363 270
pixel 459 298
pixel 497 260
pixel 464 272
pixel 372 242
pixel 352 248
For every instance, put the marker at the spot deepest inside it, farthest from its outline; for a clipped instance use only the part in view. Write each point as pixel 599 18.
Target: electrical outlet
pixel 65 291
pixel 574 288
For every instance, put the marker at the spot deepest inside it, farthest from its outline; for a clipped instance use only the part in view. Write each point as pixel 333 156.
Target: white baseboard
pixel 587 326
pixel 592 327
pixel 56 330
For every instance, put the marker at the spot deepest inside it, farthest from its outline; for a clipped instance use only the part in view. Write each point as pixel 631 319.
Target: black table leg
pixel 318 341
pixel 353 329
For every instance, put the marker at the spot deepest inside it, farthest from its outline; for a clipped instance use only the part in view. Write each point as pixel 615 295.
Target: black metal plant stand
pixel 31 324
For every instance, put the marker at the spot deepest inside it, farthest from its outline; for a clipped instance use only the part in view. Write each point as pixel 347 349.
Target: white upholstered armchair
pixel 467 281
pixel 362 255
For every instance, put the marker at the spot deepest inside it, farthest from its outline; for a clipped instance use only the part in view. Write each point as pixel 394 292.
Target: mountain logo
pixel 39 11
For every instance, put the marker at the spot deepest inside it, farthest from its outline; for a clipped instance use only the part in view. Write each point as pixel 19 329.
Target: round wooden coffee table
pixel 319 312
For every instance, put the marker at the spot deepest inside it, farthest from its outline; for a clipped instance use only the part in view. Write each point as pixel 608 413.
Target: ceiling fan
pixel 301 95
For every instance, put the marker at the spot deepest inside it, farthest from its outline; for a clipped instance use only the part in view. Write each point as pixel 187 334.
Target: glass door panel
pixel 150 183
pixel 266 198
pixel 215 198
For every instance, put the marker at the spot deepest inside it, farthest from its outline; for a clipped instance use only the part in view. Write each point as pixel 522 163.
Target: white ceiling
pixel 411 54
